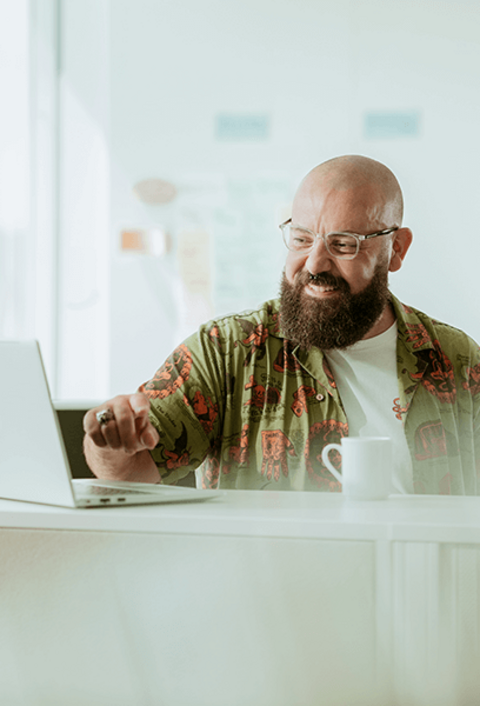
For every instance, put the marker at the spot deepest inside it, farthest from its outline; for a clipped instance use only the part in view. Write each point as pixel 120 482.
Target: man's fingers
pixel 129 427
pixel 93 429
pixel 150 437
pixel 97 438
pixel 110 433
pixel 146 432
pixel 139 404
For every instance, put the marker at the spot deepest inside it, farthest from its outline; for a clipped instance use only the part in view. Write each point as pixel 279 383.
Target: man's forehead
pixel 315 201
pixel 321 189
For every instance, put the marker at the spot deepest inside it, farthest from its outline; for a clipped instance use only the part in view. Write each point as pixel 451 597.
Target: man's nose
pixel 319 259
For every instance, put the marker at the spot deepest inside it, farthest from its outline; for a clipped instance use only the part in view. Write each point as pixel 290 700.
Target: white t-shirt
pixel 366 377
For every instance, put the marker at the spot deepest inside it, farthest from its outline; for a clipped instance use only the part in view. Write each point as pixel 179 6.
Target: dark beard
pixel 336 323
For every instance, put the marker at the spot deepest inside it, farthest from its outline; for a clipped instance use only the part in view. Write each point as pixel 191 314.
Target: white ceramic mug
pixel 366 466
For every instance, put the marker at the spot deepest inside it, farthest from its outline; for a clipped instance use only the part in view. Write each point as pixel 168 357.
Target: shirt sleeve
pixel 472 385
pixel 186 406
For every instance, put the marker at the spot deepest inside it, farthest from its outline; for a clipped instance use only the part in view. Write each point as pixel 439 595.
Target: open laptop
pixel 33 462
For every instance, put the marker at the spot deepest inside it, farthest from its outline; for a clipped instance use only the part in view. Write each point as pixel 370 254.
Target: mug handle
pixel 326 460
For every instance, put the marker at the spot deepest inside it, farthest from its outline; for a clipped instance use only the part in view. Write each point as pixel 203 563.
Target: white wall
pixel 164 71
pixel 16 288
pixel 84 200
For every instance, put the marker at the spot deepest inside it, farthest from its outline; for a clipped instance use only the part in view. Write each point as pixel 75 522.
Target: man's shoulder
pixel 262 320
pixel 423 331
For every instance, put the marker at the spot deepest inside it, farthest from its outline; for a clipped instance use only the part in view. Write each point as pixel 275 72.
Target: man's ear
pixel 401 242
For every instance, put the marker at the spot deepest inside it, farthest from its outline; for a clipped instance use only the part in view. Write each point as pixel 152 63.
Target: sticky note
pixel 132 240
pixel 390 125
pixel 242 127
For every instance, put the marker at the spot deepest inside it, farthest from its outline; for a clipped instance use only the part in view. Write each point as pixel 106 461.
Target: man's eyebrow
pixel 348 231
pixel 343 230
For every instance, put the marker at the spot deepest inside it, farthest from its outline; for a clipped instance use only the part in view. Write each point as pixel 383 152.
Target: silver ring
pixel 104 416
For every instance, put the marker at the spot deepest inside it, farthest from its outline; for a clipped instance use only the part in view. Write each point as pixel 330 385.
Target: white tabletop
pixel 415 518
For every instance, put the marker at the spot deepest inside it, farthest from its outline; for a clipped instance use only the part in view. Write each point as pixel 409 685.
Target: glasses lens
pixel 298 239
pixel 341 245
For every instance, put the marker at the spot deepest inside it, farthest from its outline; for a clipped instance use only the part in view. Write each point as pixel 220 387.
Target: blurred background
pixel 150 148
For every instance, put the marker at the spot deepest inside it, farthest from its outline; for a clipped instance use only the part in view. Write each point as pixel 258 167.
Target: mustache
pixel 323 279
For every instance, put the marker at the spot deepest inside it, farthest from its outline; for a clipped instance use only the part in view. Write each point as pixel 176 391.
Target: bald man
pixel 251 400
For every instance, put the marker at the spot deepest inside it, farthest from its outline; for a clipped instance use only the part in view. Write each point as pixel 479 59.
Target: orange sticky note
pixel 133 240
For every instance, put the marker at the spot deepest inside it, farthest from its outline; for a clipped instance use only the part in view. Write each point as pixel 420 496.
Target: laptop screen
pixel 33 462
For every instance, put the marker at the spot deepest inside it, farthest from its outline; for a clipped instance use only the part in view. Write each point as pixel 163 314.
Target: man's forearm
pixel 113 464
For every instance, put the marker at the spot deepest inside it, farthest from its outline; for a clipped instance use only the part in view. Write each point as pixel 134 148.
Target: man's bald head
pixel 362 174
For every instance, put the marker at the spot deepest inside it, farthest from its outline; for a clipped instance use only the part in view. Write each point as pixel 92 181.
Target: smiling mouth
pixel 321 288
pixel 323 283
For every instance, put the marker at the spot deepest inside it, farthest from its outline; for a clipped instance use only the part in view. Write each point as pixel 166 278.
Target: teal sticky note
pixel 390 125
pixel 235 127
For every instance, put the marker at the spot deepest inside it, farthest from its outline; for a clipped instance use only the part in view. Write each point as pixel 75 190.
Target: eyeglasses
pixel 344 246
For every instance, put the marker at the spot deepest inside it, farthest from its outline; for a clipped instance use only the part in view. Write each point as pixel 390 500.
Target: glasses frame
pixel 323 236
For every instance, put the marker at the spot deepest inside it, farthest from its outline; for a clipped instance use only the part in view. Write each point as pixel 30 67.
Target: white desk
pixel 252 599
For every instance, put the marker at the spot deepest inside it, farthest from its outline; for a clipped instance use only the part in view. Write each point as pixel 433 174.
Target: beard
pixel 338 322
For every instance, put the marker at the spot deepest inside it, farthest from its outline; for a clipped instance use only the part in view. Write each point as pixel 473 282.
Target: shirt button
pixel 320 397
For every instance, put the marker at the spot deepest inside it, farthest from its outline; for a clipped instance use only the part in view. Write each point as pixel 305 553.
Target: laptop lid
pixel 33 462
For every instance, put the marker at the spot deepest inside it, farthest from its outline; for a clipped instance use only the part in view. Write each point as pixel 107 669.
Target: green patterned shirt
pixel 251 410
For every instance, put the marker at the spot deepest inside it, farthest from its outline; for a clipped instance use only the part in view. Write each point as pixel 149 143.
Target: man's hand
pixel 118 437
pixel 128 429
